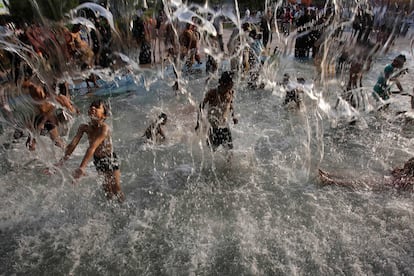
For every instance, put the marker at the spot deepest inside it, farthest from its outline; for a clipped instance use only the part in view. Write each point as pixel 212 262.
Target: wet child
pixel 46 118
pixel 155 132
pixel 388 76
pixel 219 104
pixel 100 149
pixel 293 92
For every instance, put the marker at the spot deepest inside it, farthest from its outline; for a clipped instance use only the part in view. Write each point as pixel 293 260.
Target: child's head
pixel 163 118
pixel 399 61
pixel 226 78
pixel 97 105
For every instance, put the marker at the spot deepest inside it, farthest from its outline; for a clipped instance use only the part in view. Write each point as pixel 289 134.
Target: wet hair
pixel 399 61
pixel 401 58
pixel 226 78
pixel 163 117
pixel 98 103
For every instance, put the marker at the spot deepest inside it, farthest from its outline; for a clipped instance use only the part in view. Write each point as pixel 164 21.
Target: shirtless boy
pixel 100 148
pixel 219 103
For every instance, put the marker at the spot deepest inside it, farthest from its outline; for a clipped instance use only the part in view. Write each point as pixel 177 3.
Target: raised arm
pixel 75 141
pixel 65 102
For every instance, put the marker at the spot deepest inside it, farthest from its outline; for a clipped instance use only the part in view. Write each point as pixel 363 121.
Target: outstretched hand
pixel 52 170
pixel 78 173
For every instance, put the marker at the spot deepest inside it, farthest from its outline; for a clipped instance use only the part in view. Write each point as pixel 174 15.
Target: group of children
pixel 219 105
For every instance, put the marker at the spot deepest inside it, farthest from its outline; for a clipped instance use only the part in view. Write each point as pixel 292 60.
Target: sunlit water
pixel 190 212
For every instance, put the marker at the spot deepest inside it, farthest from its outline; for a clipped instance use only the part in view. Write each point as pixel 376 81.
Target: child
pixel 293 91
pixel 46 119
pixel 389 75
pixel 219 104
pixel 155 130
pixel 100 148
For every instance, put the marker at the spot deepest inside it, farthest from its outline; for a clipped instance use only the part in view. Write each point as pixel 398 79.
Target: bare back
pixel 219 105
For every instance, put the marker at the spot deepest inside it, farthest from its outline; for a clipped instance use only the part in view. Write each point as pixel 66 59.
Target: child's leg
pixel 112 185
pixel 107 185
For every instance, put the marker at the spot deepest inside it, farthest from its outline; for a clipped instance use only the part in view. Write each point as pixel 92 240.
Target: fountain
pixel 188 211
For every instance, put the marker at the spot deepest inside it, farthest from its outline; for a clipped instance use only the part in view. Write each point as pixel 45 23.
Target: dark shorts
pixel 292 96
pixel 220 136
pixel 145 53
pixel 106 164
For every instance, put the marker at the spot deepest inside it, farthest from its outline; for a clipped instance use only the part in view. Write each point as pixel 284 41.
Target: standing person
pixel 218 24
pixel 189 45
pixel 100 148
pixel 287 21
pixel 265 27
pixel 219 103
pixel 247 15
pixel 80 48
pixel 171 41
pixel 390 74
pixel 239 54
pixel 141 33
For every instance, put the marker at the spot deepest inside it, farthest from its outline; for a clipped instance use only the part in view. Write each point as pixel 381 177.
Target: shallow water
pixel 190 212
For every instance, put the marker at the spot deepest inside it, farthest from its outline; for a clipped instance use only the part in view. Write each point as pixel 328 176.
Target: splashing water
pixel 190 212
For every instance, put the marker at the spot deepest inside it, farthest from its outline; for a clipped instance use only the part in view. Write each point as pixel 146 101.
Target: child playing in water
pixel 293 92
pixel 100 148
pixel 389 75
pixel 401 178
pixel 219 104
pixel 46 118
pixel 154 132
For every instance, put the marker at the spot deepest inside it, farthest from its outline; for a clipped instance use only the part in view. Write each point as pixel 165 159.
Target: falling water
pixel 188 211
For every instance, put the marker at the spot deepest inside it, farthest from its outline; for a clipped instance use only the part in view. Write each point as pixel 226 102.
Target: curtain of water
pixel 189 211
